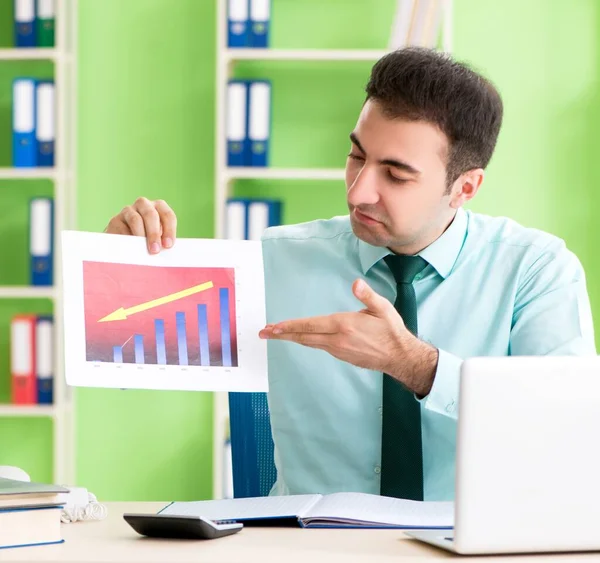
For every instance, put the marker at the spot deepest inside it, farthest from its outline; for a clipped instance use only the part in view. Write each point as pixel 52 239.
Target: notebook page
pixel 375 509
pixel 245 508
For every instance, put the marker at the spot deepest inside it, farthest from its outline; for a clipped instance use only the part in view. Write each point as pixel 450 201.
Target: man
pixel 366 400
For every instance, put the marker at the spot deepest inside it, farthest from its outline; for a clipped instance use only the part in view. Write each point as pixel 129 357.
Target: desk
pixel 113 540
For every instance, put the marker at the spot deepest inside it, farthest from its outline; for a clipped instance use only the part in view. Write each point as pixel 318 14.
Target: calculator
pixel 180 527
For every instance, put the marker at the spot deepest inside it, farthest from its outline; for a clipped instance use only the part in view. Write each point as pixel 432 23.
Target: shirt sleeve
pixel 443 397
pixel 551 316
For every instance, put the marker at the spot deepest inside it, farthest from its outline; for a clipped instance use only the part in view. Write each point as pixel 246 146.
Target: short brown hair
pixel 421 84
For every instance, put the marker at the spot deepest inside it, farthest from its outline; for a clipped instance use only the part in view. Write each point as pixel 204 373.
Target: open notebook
pixel 337 510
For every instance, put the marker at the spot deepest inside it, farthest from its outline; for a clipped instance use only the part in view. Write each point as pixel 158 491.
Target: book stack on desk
pixel 29 513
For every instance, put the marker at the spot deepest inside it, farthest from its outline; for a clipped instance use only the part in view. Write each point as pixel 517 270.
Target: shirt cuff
pixel 443 397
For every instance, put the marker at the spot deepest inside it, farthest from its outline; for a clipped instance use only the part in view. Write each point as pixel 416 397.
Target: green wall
pixel 146 95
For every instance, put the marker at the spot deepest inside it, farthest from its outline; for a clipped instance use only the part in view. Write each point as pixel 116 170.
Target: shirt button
pixel 377 469
pixel 450 407
pixel 380 410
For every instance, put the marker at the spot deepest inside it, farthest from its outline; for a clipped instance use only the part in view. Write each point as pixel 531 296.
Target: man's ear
pixel 466 187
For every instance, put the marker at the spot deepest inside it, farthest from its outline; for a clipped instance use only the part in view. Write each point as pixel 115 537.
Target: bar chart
pixel 138 314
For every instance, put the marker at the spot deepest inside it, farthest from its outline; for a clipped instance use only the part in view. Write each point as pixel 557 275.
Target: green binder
pixel 44 23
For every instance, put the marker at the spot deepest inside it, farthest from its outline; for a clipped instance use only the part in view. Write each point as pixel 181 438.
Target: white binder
pixel 258 219
pixel 237 94
pixel 235 223
pixel 401 24
pixel 259 122
pixel 45 123
pixel 46 9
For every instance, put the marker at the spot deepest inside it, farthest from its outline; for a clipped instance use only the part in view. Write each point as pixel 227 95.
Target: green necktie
pixel 401 450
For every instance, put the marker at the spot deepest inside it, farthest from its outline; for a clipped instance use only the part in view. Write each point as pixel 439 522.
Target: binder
pixel 41 240
pixel 237 23
pixel 44 23
pixel 248 218
pixel 24 23
pixel 399 36
pixel 261 215
pixel 235 221
pixel 45 122
pixel 433 24
pixel 419 22
pixel 237 123
pixel 44 359
pixel 259 122
pixel 23 123
pixel 260 14
pixel 22 360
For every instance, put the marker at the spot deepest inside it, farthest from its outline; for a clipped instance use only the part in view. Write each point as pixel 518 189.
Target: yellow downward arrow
pixel 121 314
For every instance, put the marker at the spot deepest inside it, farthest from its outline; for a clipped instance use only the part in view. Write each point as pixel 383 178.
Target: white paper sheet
pixel 187 318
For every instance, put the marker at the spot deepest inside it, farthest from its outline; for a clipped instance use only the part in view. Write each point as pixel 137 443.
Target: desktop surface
pixel 113 540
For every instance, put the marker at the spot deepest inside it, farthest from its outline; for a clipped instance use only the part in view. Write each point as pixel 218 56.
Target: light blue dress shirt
pixel 492 288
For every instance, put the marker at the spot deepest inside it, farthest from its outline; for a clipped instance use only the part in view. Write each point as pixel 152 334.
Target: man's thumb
pixel 372 300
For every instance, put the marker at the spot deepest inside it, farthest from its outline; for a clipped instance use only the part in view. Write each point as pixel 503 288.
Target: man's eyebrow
pixel 393 162
pixel 355 140
pixel 401 165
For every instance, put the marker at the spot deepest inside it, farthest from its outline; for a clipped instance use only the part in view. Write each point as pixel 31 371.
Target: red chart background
pixel 108 286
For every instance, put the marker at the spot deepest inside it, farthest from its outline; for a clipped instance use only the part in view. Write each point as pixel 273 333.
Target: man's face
pixel 396 181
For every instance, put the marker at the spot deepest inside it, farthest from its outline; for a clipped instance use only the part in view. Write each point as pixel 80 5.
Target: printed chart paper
pixel 187 318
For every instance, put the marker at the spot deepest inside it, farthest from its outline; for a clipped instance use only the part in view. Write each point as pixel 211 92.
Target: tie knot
pixel 405 268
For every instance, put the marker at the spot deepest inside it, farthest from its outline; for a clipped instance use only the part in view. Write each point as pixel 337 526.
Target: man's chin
pixel 366 235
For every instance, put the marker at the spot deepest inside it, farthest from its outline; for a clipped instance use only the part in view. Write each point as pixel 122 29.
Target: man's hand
pixel 154 220
pixel 374 338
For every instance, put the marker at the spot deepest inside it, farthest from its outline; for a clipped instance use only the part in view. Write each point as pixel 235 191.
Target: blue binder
pixel 41 240
pixel 44 359
pixel 260 15
pixel 23 123
pixel 24 22
pixel 259 121
pixel 237 23
pixel 44 122
pixel 238 147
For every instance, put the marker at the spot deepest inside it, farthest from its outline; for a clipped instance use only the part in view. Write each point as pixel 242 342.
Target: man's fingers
pixel 168 221
pixel 321 341
pixel 327 324
pixel 151 220
pixel 374 302
pixel 117 226
pixel 133 220
pixel 154 220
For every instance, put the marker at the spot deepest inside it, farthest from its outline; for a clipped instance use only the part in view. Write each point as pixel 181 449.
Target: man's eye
pixel 397 180
pixel 356 157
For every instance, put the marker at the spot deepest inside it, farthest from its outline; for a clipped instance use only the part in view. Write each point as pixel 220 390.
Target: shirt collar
pixel 442 253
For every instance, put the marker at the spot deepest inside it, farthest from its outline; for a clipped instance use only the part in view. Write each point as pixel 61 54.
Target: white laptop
pixel 528 457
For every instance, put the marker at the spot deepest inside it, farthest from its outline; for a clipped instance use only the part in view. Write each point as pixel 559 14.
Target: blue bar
pixel 161 352
pixel 203 336
pixel 138 340
pixel 225 329
pixel 117 354
pixel 181 338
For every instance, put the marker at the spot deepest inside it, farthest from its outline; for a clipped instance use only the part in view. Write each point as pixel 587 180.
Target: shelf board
pixel 33 173
pixel 266 173
pixel 27 410
pixel 26 292
pixel 304 54
pixel 28 54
